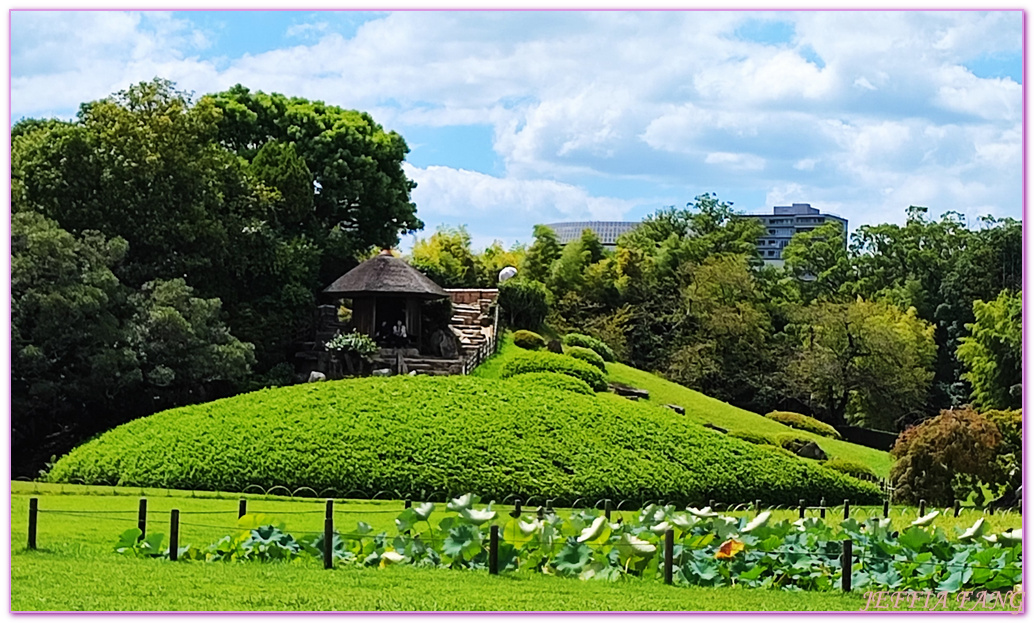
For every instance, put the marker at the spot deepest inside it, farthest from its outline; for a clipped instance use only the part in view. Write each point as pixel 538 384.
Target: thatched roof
pixel 385 274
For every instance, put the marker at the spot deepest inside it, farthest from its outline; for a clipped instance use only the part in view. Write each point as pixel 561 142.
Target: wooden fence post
pixel 669 554
pixel 409 503
pixel 847 509
pixel 493 550
pixel 242 508
pixel 141 518
pixel 801 509
pixel 328 536
pixel 608 507
pixel 922 507
pixel 957 506
pixel 886 508
pixel 822 508
pixel 174 535
pixel 33 512
pixel 757 506
pixel 540 513
pixel 516 512
pixel 846 562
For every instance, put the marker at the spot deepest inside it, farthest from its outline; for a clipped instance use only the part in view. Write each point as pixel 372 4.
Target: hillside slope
pixel 703 409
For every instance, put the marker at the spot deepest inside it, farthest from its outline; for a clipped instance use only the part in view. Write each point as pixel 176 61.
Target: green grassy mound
pixel 448 434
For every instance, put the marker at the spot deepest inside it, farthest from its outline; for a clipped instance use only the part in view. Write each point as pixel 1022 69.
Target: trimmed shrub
pixel 851 468
pixel 803 422
pixel 528 340
pixel 541 361
pixel 760 439
pixel 585 341
pixel 555 380
pixel 945 457
pixel 523 303
pixel 587 355
pixel 496 438
pixel 791 442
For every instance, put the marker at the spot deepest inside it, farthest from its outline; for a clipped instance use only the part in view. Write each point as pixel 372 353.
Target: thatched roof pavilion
pixel 385 289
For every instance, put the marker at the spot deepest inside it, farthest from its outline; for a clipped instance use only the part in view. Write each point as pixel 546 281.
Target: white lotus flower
pixel 593 531
pixel 926 520
pixel 390 557
pixel 661 528
pixel 977 529
pixel 424 510
pixel 758 521
pixel 529 528
pixel 991 539
pixel 1011 537
pixel 703 513
pixel 630 546
pixel 460 503
pixel 477 517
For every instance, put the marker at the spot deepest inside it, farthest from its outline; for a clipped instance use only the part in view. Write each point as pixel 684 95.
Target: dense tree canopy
pixel 200 229
pixel 992 353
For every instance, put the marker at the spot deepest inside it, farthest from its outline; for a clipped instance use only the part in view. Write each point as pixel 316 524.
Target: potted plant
pixel 352 348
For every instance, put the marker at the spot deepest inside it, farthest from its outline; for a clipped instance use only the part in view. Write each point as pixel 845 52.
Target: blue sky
pixel 517 118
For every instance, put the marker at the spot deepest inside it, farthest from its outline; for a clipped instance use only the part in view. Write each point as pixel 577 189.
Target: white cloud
pixel 737 161
pixel 665 97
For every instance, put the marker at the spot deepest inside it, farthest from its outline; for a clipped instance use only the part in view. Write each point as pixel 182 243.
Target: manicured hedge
pixel 803 422
pixel 586 341
pixel 528 340
pixel 555 380
pixel 851 468
pixel 587 355
pixel 760 439
pixel 525 362
pixel 448 434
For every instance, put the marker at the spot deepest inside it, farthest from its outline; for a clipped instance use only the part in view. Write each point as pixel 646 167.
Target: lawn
pixel 703 409
pixel 75 568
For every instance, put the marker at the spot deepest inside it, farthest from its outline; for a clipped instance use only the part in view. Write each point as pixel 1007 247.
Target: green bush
pixel 851 468
pixel 528 340
pixel 760 439
pixel 585 341
pixel 523 303
pixel 555 380
pixel 587 355
pixel 540 361
pixel 1010 452
pixel 945 457
pixel 803 422
pixel 447 434
pixel 791 442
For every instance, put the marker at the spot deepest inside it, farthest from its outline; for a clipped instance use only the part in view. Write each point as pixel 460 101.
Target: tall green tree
pixel 993 354
pixel 544 250
pixel 362 196
pixel 89 353
pixel 819 261
pixel 864 359
pixel 446 257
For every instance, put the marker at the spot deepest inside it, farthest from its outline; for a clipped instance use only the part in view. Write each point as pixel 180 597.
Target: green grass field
pixel 703 409
pixel 75 568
